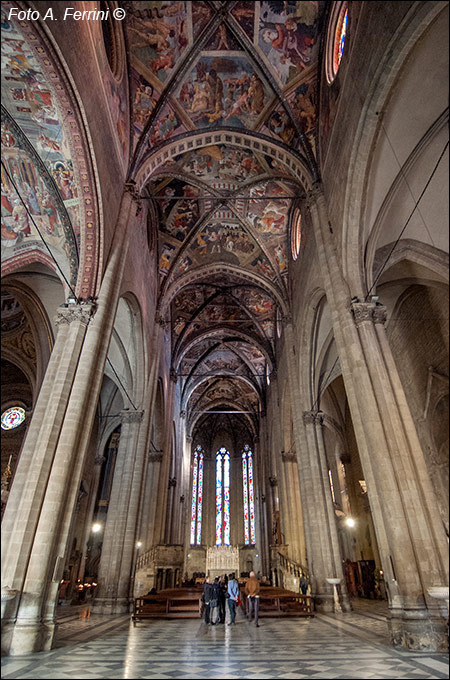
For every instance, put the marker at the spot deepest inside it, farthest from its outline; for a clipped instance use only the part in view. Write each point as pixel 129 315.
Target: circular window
pixel 296 234
pixel 13 417
pixel 337 33
pixel 112 38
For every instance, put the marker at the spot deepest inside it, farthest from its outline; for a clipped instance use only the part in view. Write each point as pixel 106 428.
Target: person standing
pixel 233 595
pixel 222 591
pixel 252 590
pixel 214 602
pixel 206 599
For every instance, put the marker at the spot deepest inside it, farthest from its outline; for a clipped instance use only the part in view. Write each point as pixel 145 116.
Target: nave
pixel 352 645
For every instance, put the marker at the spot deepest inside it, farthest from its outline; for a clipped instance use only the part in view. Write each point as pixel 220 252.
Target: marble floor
pixel 352 645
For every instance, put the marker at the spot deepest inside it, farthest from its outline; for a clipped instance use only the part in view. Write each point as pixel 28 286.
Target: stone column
pixel 321 554
pixel 412 541
pixel 154 459
pixel 120 530
pixel 335 550
pixel 54 456
pixel 98 462
pixel 289 459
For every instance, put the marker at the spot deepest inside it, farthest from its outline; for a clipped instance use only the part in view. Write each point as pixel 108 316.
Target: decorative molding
pixel 289 456
pixel 309 417
pixel 172 481
pixel 155 457
pixel 131 416
pixel 273 481
pixel 99 460
pixel 368 311
pixel 173 375
pixel 76 312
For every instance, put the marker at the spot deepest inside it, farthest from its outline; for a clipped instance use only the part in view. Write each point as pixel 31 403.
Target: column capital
pixel 173 375
pixel 368 311
pixel 75 312
pixel 313 417
pixel 380 314
pixel 155 456
pixel 273 481
pixel 288 456
pixel 131 416
pixel 172 481
pixel 314 195
pixel 286 319
pixel 188 439
pixel 182 414
pixel 130 188
pixel 161 320
pixel 99 460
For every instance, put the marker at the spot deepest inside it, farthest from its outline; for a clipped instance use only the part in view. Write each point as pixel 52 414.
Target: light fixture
pixel 96 528
pixel 374 298
pixel 350 522
pixel 138 544
pixel 72 300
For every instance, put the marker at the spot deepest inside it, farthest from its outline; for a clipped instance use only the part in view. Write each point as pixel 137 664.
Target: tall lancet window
pixel 222 497
pixel 249 497
pixel 197 497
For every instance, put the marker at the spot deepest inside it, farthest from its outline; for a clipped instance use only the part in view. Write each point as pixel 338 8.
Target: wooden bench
pixel 174 603
pixel 279 602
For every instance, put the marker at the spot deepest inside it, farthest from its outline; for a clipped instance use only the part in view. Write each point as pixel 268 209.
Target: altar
pixel 222 559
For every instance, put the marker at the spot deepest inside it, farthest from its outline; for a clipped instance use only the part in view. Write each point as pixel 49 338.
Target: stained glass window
pixel 197 497
pixel 223 534
pixel 340 40
pixel 249 496
pixel 13 417
pixel 296 234
pixel 337 34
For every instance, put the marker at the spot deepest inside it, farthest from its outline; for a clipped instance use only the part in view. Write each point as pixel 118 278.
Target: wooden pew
pixel 280 602
pixel 167 604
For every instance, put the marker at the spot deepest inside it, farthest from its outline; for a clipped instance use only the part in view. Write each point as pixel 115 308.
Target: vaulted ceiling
pixel 222 120
pixel 223 204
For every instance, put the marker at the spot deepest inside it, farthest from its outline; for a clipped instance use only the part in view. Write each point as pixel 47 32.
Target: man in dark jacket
pixel 214 602
pixel 206 598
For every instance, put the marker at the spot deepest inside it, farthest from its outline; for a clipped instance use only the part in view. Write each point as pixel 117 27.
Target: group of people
pixel 224 588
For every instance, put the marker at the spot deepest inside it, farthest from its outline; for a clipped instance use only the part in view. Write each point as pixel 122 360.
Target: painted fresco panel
pixel 224 89
pixel 287 36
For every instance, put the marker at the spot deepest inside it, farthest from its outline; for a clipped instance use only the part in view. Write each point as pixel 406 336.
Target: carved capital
pixel 99 460
pixel 82 313
pixel 161 321
pixel 172 481
pixel 182 414
pixel 155 457
pixel 362 311
pixel 288 456
pixel 309 417
pixel 173 375
pixel 130 188
pixel 273 481
pixel 131 416
pixel 380 314
pixel 189 439
pixel 286 320
pixel 314 195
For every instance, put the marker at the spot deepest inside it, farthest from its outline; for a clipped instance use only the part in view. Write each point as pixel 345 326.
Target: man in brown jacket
pixel 252 588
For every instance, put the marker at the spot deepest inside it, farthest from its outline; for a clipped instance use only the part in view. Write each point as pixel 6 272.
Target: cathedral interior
pixel 224 325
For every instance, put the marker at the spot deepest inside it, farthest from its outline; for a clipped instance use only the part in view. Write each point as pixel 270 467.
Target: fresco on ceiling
pixel 224 243
pixel 191 298
pixel 268 217
pixel 201 15
pixel 223 167
pixel 224 90
pixel 44 219
pixel 258 303
pixel 301 104
pixel 118 106
pixel 145 98
pixel 263 267
pixel 33 105
pixel 222 40
pixel 252 355
pixel 166 125
pixel 158 35
pixel 287 36
pixel 244 13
